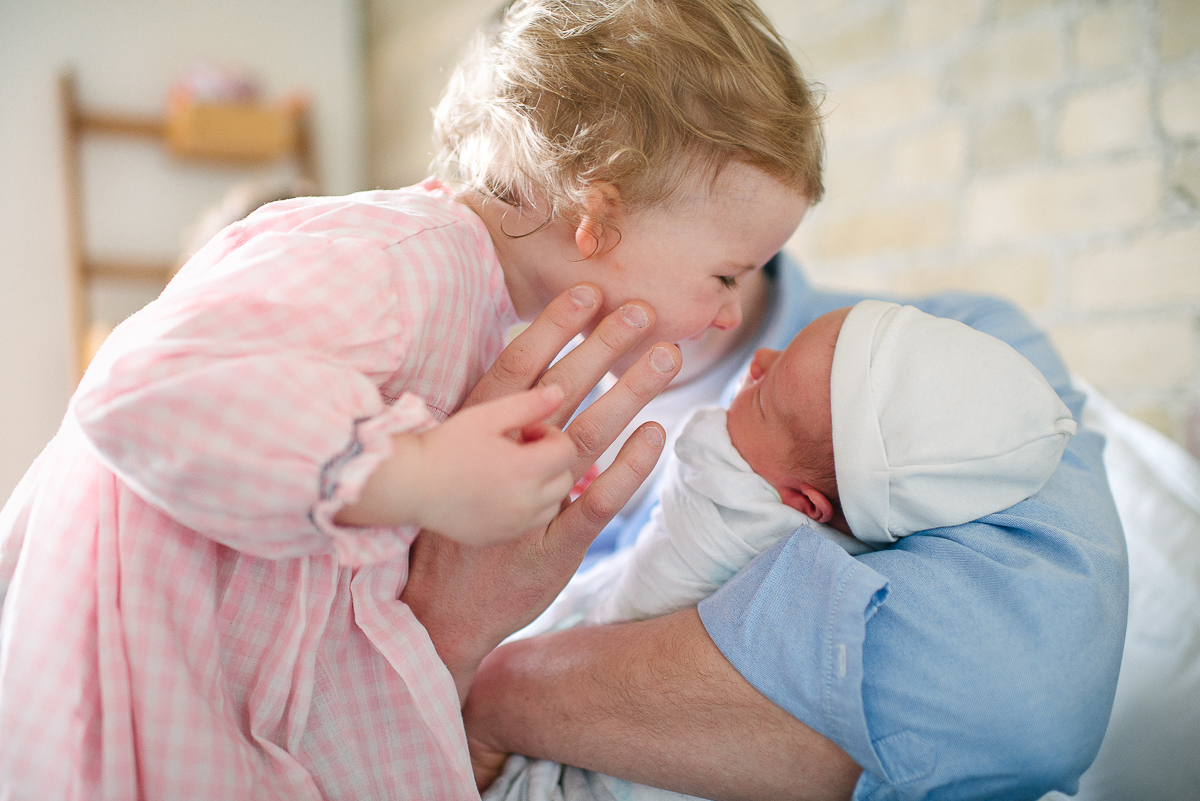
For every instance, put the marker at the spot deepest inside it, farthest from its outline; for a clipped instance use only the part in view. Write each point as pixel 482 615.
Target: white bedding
pixel 1152 748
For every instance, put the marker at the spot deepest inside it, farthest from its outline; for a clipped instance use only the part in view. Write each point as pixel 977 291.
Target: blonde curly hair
pixel 641 94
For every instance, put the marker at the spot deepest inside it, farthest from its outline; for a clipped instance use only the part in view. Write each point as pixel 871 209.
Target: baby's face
pixel 784 400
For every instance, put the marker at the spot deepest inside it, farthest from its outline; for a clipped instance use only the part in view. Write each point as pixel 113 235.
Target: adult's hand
pixel 471 598
pixel 654 702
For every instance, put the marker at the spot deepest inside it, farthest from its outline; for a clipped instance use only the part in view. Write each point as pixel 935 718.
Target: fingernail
pixel 653 435
pixel 635 315
pixel 553 393
pixel 662 360
pixel 584 296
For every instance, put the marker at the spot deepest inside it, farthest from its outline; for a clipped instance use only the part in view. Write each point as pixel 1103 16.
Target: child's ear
pixel 807 500
pixel 591 233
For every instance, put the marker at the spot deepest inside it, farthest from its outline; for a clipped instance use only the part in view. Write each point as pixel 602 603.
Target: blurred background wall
pixel 125 54
pixel 1044 150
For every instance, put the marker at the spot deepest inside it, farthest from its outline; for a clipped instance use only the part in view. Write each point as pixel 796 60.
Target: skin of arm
pixel 653 702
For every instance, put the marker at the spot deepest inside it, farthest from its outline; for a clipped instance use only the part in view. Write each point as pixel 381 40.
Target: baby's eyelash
pixel 729 281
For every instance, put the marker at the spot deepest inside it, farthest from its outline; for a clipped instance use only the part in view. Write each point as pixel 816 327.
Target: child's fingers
pixel 522 410
pixel 553 495
pixel 522 363
pixel 556 489
pixel 534 432
pixel 545 501
pixel 552 455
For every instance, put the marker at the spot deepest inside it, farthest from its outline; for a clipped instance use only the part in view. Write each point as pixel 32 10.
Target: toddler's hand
pixel 488 473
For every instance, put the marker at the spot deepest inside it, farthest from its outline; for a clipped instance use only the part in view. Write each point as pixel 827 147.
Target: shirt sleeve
pixel 244 402
pixel 974 661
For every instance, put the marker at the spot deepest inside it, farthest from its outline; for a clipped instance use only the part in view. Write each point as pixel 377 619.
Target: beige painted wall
pixel 1044 150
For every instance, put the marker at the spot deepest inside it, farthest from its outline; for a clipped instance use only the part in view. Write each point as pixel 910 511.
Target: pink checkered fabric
pixel 182 619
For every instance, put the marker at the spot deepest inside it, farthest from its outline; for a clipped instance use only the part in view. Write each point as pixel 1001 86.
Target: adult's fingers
pixel 600 423
pixel 522 363
pixel 586 364
pixel 579 523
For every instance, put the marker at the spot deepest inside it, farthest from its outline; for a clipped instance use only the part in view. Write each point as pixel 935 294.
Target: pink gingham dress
pixel 182 619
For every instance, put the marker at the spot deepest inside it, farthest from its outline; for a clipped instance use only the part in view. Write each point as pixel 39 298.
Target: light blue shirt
pixel 978 661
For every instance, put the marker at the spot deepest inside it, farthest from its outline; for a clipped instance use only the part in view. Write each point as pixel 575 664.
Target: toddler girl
pixel 199 576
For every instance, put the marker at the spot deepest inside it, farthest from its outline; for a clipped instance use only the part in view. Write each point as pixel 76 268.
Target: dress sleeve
pixel 974 661
pixel 244 402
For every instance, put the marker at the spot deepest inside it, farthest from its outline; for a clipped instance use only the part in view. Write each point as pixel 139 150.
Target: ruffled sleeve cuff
pixel 793 624
pixel 343 476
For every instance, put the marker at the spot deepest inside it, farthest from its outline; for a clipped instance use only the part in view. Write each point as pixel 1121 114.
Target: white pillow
pixel 1152 747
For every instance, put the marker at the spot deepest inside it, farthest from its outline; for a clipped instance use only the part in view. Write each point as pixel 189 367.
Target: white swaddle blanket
pixel 716 515
pixel 541 780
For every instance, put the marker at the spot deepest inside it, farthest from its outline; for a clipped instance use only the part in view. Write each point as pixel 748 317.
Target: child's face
pixel 687 261
pixel 784 400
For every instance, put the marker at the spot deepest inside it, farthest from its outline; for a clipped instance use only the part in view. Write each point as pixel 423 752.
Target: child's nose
pixel 729 317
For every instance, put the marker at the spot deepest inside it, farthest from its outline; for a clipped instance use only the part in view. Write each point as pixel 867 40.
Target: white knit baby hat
pixel 934 423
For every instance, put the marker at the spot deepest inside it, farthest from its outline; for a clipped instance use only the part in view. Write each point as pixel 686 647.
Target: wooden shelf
pixel 119 125
pixel 238 134
pixel 241 133
pixel 130 270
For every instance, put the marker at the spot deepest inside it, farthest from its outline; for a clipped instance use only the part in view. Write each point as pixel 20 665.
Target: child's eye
pixel 728 281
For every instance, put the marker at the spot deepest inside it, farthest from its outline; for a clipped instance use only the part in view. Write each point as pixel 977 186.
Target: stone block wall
pixel 1043 150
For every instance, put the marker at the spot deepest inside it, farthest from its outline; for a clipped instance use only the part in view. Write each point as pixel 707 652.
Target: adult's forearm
pixel 654 702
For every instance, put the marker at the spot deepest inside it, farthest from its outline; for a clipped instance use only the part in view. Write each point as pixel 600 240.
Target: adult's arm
pixel 697 726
